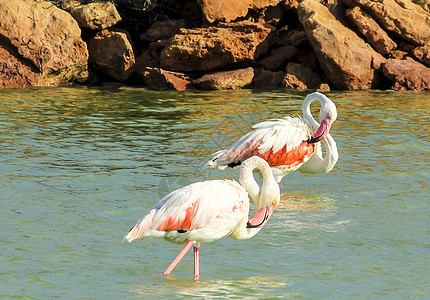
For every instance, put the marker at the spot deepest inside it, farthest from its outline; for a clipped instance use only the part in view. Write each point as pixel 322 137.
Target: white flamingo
pixel 209 210
pixel 288 144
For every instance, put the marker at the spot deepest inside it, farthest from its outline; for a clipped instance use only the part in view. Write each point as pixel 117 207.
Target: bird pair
pixel 209 210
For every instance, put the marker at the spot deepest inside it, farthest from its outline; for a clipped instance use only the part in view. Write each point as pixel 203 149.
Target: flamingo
pixel 287 144
pixel 209 210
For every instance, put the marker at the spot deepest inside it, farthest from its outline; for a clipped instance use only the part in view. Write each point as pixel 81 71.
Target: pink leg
pixel 178 258
pixel 196 263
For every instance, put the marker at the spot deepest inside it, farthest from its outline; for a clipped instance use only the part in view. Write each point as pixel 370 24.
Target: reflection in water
pixel 257 286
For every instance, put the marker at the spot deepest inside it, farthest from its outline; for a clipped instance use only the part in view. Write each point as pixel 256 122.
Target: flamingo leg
pixel 178 258
pixel 196 263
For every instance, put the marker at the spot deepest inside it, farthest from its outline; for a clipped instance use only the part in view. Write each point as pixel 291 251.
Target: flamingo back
pixel 195 212
pixel 281 142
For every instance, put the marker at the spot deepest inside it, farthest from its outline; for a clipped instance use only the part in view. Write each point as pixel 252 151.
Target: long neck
pixel 247 180
pixel 306 110
pixel 319 165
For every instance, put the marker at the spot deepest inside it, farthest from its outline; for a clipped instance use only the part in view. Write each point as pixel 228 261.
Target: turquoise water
pixel 79 166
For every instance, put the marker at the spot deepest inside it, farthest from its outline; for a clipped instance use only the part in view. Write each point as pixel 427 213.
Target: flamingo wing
pixel 281 142
pixel 197 206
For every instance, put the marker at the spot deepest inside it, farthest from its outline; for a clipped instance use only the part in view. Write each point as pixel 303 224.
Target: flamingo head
pixel 268 200
pixel 328 114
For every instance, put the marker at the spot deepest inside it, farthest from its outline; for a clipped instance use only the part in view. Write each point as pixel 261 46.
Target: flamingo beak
pixel 321 132
pixel 261 217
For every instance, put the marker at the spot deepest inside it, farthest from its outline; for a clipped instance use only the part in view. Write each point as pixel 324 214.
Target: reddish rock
pixel 266 79
pixel 44 41
pixel 258 4
pixel 224 10
pixel 422 54
pixel 346 59
pixel 160 79
pixel 212 48
pixel 291 4
pixel 407 74
pixel 162 30
pixel 15 72
pixel 301 77
pixel 374 34
pixel 96 15
pixel 277 56
pixel 397 54
pixel 112 54
pixel 235 79
pixel 401 17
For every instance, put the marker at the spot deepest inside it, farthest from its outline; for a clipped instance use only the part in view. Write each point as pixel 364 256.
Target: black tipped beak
pixel 316 139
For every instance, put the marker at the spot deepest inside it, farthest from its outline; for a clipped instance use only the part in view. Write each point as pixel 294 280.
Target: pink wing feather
pixel 282 143
pixel 191 207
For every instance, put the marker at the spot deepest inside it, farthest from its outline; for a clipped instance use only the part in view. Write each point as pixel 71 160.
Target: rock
pixel 96 15
pixel 160 79
pixel 272 15
pixel 301 77
pixel 266 79
pixel 224 10
pixel 374 34
pixel 398 54
pixel 212 48
pixel 407 74
pixel 112 54
pixel 15 72
pixel 235 79
pixel 423 3
pixel 145 60
pixel 324 87
pixel 422 54
pixel 401 17
pixel 346 59
pixel 291 4
pixel 259 4
pixel 277 56
pixel 44 41
pixel 162 30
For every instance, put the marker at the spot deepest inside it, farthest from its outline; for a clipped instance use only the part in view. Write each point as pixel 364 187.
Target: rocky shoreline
pixel 225 44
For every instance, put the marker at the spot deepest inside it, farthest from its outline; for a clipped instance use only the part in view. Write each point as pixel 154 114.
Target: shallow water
pixel 79 166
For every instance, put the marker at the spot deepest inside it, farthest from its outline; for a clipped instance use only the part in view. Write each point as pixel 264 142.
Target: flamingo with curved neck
pixel 288 144
pixel 209 210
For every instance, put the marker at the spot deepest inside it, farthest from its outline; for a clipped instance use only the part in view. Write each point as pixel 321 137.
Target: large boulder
pixel 407 74
pixel 400 17
pixel 162 30
pixel 422 54
pixel 224 10
pixel 43 40
pixel 301 77
pixel 368 27
pixel 212 48
pixel 234 79
pixel 346 59
pixel 160 79
pixel 111 53
pixel 264 79
pixel 96 15
pixel 277 56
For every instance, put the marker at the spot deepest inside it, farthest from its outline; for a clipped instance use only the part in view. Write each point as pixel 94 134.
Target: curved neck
pixel 319 165
pixel 247 180
pixel 257 195
pixel 306 110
